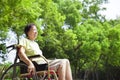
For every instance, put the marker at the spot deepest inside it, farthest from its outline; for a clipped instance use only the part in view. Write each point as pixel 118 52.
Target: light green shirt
pixel 31 47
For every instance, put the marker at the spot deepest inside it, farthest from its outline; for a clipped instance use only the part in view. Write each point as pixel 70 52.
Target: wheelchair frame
pixel 45 73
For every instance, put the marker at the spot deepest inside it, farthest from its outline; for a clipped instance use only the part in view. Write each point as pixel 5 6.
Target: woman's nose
pixel 35 32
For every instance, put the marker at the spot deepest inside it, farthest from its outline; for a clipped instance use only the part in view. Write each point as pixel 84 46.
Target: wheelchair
pixel 18 70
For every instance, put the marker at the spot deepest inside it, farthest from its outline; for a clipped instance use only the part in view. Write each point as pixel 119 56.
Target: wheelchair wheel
pixel 51 76
pixel 13 73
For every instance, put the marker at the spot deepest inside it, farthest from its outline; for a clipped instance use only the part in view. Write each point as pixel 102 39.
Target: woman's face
pixel 32 33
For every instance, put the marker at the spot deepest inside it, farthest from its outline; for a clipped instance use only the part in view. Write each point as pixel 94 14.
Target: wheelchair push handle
pixel 5 48
pixel 12 47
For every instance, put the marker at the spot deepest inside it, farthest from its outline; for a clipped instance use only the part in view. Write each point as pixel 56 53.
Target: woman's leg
pixel 57 65
pixel 68 70
pixel 63 68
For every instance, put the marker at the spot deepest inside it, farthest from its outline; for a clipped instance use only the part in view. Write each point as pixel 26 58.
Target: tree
pixel 16 13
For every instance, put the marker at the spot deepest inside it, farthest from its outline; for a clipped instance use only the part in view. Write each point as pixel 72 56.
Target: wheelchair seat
pixel 39 67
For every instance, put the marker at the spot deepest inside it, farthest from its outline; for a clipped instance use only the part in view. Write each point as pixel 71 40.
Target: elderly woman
pixel 30 47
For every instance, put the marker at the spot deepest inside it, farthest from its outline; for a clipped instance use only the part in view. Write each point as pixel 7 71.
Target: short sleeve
pixel 31 47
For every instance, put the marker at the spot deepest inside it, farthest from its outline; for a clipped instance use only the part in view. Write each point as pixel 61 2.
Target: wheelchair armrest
pixel 37 56
pixel 34 56
pixel 45 59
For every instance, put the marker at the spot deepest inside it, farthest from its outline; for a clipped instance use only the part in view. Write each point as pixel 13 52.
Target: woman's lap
pixel 55 63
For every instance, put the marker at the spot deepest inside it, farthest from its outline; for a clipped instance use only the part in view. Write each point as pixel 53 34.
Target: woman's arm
pixel 24 58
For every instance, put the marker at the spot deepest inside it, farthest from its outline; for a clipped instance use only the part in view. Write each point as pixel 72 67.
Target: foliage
pixel 71 10
pixel 3 48
pixel 4 67
pixel 15 13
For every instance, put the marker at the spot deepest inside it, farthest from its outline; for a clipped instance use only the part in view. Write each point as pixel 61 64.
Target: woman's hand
pixel 31 69
pixel 24 58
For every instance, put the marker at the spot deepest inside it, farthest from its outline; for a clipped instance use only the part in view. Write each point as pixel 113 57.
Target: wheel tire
pixel 9 74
